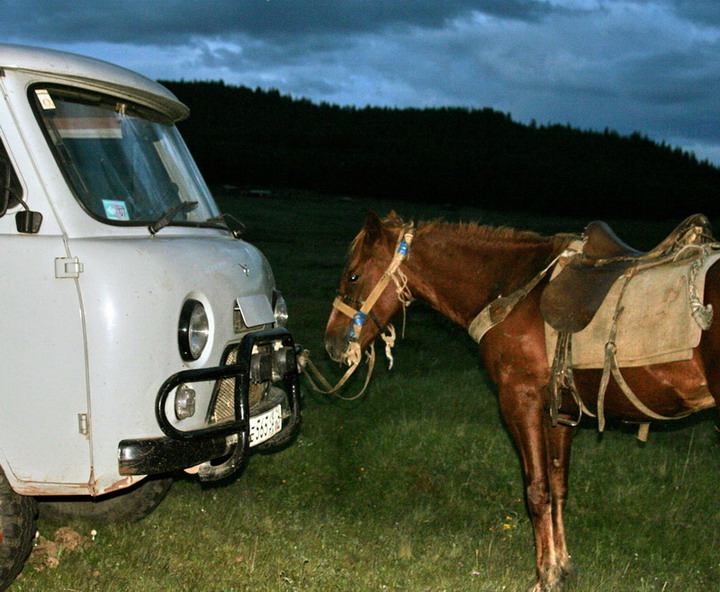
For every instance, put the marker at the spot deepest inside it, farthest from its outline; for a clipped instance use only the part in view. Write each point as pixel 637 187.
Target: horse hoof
pixel 540 587
pixel 555 582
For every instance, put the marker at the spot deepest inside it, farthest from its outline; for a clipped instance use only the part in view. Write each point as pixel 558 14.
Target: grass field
pixel 416 487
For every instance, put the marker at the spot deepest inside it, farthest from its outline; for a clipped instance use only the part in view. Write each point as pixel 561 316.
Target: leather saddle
pixel 570 300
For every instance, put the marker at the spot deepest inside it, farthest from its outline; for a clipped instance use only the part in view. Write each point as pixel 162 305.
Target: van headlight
pixel 193 330
pixel 280 309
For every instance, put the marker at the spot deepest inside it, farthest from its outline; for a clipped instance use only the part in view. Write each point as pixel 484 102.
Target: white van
pixel 140 334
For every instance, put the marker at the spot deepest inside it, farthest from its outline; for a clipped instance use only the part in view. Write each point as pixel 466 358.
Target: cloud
pixel 646 65
pixel 175 21
pixel 702 11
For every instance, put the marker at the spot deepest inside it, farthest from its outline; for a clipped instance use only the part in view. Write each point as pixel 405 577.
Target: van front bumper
pixel 262 358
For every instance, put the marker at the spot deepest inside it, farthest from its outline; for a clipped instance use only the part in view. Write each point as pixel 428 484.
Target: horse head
pixel 372 288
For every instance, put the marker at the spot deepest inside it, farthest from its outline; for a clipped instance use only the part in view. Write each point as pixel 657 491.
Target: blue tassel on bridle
pixel 357 323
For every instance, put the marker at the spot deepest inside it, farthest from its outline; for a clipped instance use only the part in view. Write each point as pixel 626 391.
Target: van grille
pixel 223 407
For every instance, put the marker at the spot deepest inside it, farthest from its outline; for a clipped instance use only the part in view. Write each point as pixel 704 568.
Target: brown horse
pixel 458 269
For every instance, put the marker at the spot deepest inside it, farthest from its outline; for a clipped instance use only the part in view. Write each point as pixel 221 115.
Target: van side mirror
pixel 28 222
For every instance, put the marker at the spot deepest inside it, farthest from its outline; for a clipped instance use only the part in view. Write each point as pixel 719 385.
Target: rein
pixel 353 355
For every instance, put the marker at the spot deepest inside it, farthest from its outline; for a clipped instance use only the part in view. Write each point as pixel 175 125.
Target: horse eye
pixel 354 277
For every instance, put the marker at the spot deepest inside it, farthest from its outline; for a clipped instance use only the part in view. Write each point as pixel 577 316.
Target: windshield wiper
pixel 223 219
pixel 167 216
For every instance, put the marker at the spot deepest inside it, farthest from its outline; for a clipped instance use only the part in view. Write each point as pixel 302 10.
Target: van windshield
pixel 126 164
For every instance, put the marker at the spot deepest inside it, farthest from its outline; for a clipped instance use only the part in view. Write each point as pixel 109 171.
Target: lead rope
pixel 306 364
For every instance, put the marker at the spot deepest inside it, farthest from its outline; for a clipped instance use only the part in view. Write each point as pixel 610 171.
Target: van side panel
pixel 43 376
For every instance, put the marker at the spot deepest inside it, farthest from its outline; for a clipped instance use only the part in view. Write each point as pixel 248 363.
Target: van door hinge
pixel 68 267
pixel 83 424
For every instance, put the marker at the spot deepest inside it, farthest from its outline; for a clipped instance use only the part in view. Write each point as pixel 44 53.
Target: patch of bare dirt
pixel 47 553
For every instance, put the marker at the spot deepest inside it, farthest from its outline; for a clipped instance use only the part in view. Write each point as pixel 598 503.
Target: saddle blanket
pixel 656 323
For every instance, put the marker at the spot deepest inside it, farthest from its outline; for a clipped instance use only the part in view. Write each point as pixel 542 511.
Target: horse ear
pixel 394 219
pixel 373 229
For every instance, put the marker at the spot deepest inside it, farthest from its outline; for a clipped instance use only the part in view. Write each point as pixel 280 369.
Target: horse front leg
pixel 524 412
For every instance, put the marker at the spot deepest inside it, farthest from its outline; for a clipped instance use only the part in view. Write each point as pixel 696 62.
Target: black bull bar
pixel 180 449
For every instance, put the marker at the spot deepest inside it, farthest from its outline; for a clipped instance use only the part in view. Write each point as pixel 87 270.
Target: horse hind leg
pixel 559 441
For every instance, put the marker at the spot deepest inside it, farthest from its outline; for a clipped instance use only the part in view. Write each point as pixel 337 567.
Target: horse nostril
pixel 332 349
pixel 336 347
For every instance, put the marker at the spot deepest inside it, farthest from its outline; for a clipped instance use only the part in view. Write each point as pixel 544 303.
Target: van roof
pixel 92 73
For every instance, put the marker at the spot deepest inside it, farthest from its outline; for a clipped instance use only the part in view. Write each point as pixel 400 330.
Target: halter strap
pixel 359 316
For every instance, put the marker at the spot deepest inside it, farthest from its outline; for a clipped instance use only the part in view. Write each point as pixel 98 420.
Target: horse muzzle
pixel 335 348
pixel 344 350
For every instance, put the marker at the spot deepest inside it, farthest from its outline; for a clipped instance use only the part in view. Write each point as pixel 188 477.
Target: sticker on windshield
pixel 45 99
pixel 115 210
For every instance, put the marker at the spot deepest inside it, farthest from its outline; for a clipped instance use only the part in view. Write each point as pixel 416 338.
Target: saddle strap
pixel 611 368
pixel 563 379
pixel 610 358
pixel 498 310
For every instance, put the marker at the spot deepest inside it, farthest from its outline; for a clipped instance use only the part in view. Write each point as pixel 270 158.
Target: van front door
pixel 44 413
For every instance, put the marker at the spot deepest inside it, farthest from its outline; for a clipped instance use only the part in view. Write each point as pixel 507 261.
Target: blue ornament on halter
pixel 357 322
pixel 403 248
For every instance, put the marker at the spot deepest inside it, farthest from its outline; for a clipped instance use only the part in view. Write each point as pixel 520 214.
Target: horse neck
pixel 459 272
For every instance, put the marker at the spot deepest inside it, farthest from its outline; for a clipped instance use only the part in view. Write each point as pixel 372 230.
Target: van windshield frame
pixel 126 164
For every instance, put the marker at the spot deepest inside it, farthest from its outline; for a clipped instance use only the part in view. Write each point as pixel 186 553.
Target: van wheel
pixel 17 531
pixel 127 505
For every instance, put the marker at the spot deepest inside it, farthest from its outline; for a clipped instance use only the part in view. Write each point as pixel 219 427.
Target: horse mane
pixel 471 232
pixel 481 232
pixel 484 233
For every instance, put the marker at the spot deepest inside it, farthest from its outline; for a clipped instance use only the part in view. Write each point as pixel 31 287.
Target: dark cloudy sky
pixel 651 66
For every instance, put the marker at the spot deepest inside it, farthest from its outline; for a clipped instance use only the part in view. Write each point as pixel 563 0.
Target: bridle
pixel 341 303
pixel 353 355
pixel 359 316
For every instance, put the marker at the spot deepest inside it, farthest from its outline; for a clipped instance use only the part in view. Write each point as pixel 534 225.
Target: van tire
pixel 17 526
pixel 126 505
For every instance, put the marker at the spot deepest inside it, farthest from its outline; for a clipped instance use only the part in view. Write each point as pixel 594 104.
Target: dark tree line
pixel 256 138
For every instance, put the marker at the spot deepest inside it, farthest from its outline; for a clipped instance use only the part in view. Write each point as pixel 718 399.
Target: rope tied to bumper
pixel 310 370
